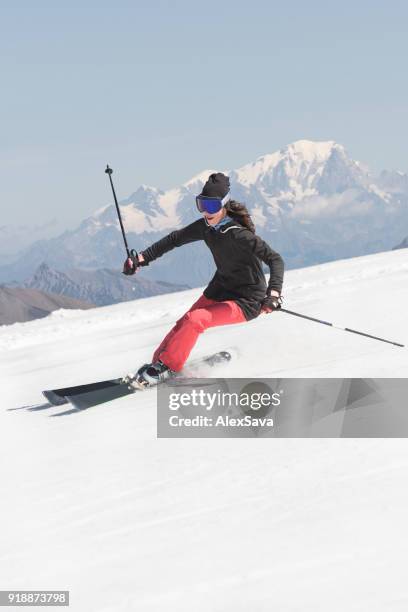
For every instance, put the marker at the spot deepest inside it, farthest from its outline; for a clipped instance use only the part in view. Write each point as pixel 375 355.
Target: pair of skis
pixel 85 396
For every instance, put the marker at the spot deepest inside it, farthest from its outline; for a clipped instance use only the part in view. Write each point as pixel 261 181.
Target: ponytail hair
pixel 239 213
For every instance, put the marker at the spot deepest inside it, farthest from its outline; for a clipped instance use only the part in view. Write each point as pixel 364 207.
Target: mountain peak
pixel 198 179
pixel 312 149
pixel 295 165
pixel 42 268
pixel 143 188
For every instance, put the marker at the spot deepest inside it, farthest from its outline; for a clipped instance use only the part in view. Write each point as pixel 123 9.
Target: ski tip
pixel 54 399
pixel 230 353
pixel 218 358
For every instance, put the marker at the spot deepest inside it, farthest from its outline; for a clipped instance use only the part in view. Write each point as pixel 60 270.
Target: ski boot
pixel 151 374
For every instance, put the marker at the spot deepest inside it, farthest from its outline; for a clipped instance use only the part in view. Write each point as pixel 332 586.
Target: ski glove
pixel 271 303
pixel 133 263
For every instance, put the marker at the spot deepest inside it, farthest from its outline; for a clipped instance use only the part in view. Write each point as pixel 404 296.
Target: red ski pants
pixel 204 313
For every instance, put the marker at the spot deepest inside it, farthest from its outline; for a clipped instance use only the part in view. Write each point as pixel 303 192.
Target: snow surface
pixel 94 503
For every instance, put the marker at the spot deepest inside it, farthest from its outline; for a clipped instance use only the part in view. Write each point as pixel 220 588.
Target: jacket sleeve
pixel 190 233
pixel 271 258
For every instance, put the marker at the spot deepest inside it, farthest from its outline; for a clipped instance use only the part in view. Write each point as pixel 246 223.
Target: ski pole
pixel 109 171
pixel 353 331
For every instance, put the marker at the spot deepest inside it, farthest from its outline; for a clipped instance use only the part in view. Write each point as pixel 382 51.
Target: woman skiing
pixel 238 290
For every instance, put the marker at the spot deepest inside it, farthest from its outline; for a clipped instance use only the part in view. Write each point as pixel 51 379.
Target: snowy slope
pixel 93 502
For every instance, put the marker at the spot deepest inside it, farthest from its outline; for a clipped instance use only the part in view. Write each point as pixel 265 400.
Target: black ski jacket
pixel 238 254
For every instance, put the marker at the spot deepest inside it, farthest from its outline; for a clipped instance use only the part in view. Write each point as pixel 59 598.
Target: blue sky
pixel 162 90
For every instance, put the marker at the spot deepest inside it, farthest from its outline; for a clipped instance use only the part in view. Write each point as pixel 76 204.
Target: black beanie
pixel 217 186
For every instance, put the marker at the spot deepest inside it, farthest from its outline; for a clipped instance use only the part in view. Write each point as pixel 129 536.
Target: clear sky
pixel 162 90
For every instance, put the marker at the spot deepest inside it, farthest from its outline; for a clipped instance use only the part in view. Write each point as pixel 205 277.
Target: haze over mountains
pixel 310 201
pixel 14 238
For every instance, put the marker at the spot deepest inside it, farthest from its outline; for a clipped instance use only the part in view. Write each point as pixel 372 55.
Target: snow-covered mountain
pixel 93 502
pixel 393 182
pixel 310 201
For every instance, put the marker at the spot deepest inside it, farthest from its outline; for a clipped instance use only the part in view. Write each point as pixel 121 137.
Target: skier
pixel 238 290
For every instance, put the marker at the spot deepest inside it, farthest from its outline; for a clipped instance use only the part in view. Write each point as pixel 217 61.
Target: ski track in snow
pixel 94 503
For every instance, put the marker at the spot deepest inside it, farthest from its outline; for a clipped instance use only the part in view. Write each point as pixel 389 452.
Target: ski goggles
pixel 211 205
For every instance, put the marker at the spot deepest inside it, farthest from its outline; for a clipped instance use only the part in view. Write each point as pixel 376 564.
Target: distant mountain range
pixel 19 305
pixel 100 287
pixel 310 201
